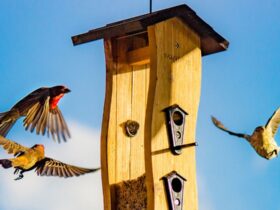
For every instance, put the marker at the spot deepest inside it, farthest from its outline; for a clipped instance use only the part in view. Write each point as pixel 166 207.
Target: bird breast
pixel 264 144
pixel 28 159
pixel 54 101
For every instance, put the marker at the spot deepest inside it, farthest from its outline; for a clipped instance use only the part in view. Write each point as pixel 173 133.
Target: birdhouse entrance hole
pixel 178 118
pixel 176 185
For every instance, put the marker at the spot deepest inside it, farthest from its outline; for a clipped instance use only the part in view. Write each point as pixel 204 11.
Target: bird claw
pixel 19 177
pixel 272 153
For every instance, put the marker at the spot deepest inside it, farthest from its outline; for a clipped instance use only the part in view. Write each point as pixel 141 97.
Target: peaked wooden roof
pixel 211 41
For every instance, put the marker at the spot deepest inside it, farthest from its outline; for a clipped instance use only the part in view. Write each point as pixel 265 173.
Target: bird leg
pixel 276 152
pixel 16 171
pixel 273 152
pixel 20 174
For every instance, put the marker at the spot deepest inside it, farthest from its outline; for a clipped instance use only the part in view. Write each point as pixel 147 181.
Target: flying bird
pixel 262 139
pixel 41 112
pixel 26 159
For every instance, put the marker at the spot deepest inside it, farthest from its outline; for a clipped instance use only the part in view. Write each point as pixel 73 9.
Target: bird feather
pixel 273 122
pixel 63 169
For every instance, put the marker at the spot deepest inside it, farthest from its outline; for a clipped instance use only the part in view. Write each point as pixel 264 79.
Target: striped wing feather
pixel 45 120
pixel 51 167
pixel 12 147
pixel 31 99
pixel 57 126
pixel 5 127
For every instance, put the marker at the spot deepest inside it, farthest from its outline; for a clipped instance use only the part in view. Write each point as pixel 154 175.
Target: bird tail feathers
pixel 6 163
pixel 6 123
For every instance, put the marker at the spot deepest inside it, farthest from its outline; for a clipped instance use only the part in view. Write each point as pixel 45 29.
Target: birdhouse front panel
pixel 125 108
pixel 175 79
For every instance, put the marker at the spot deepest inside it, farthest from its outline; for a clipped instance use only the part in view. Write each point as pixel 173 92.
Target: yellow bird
pixel 27 159
pixel 262 139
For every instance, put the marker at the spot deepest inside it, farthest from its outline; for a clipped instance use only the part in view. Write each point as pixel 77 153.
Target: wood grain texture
pixel 123 113
pixel 110 70
pixel 139 102
pixel 211 41
pixel 141 93
pixel 126 92
pixel 139 56
pixel 175 77
pixel 149 115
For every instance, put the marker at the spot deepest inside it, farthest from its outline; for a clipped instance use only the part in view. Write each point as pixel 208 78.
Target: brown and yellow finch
pixel 41 113
pixel 262 139
pixel 27 159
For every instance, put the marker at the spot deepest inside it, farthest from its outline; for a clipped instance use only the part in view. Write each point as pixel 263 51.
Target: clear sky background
pixel 241 87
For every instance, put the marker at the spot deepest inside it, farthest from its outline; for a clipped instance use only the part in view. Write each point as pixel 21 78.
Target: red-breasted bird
pixel 41 113
pixel 27 159
pixel 262 139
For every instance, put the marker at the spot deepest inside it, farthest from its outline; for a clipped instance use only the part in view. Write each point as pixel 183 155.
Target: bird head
pixel 39 147
pixel 59 89
pixel 259 129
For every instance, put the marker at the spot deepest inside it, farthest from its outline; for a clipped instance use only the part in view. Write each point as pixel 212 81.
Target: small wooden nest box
pixel 152 62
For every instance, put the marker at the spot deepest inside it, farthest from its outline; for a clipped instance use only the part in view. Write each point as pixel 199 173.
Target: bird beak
pixel 66 90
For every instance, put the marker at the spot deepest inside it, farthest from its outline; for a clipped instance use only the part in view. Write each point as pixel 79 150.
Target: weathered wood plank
pixel 149 116
pixel 139 56
pixel 108 113
pixel 126 92
pixel 124 109
pixel 177 80
pixel 139 100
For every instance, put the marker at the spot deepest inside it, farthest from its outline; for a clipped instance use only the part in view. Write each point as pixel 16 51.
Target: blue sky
pixel 240 87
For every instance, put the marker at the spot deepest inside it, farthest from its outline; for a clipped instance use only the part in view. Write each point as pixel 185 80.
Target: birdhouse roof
pixel 211 41
pixel 174 174
pixel 174 106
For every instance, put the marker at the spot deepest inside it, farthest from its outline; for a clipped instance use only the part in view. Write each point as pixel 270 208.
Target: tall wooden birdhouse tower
pixel 153 76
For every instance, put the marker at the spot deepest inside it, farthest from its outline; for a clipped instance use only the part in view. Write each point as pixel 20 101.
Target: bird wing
pixel 219 125
pixel 7 124
pixel 12 147
pixel 51 167
pixel 273 122
pixel 44 119
pixel 21 108
pixel 31 99
pixel 57 125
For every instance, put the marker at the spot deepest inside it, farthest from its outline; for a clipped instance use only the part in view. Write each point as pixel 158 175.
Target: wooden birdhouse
pixel 153 76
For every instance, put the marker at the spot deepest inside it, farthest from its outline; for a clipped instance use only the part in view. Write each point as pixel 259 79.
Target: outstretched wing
pixel 46 120
pixel 12 147
pixel 21 108
pixel 56 125
pixel 51 167
pixel 31 99
pixel 6 122
pixel 219 125
pixel 273 122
